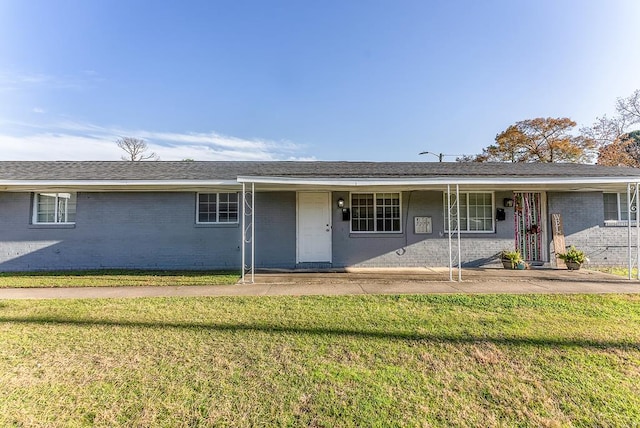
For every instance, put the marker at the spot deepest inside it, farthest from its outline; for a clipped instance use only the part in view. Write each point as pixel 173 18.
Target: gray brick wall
pixel 583 221
pixel 117 230
pixel 408 249
pixel 158 231
pixel 276 229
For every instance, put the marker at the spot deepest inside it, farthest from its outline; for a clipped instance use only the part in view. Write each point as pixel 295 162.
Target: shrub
pixel 573 255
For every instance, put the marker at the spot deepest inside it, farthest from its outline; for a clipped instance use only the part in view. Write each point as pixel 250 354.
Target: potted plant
pixel 512 260
pixel 573 258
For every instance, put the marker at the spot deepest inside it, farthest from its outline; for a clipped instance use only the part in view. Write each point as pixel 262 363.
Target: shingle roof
pixel 121 170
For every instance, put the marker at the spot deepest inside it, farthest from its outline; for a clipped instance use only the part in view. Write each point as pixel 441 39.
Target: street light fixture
pixel 438 155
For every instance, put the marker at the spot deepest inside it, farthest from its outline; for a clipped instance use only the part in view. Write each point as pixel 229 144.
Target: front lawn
pixel 115 278
pixel 619 270
pixel 433 360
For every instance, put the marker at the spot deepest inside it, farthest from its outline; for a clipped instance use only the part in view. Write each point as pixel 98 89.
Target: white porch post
pixel 457 231
pixel 253 232
pixel 248 232
pixel 242 234
pixel 449 230
pixel 632 209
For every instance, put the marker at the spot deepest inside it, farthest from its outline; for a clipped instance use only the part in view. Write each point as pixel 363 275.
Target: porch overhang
pixel 451 186
pixel 572 184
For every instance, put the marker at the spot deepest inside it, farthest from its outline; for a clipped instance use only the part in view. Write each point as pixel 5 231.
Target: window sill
pixel 375 234
pixel 216 225
pixel 618 223
pixel 471 232
pixel 52 226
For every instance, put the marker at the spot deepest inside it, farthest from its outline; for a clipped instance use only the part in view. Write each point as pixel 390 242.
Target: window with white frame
pixel 616 207
pixel 217 208
pixel 476 212
pixel 375 212
pixel 54 208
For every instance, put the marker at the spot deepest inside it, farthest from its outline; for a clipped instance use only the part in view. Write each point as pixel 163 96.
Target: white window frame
pixel 375 219
pixel 57 196
pixel 619 221
pixel 217 208
pixel 468 217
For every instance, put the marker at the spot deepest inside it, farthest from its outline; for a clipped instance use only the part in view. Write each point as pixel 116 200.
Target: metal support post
pixel 449 229
pixel 242 237
pixel 253 232
pixel 248 232
pixel 456 230
pixel 632 215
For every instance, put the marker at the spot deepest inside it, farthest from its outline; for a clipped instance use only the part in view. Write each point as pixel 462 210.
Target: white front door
pixel 314 227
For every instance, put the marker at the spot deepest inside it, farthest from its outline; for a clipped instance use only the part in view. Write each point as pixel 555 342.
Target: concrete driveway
pixel 362 281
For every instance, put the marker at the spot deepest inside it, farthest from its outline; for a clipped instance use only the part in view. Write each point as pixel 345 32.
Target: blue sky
pixel 325 80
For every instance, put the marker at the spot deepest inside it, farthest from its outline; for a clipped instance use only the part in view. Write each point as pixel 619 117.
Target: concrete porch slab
pixel 369 281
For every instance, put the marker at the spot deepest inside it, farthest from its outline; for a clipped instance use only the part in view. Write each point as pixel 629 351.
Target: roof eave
pixel 438 181
pixel 114 185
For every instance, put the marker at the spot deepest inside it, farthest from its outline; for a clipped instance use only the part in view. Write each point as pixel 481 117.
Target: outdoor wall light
pixel 340 203
pixel 508 202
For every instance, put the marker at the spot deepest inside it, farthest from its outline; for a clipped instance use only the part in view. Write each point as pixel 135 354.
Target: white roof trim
pixel 355 182
pixel 98 183
pixel 296 181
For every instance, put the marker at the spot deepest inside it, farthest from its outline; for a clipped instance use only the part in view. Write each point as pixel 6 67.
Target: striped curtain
pixel 528 225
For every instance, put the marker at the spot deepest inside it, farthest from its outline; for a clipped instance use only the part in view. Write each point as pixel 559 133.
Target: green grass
pixel 620 271
pixel 115 278
pixel 433 360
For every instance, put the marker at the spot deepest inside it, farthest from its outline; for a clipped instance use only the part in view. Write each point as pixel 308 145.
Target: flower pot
pixel 571 265
pixel 517 265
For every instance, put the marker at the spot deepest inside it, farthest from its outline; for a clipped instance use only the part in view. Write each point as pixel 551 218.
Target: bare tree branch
pixel 617 145
pixel 629 108
pixel 135 149
pixel 606 131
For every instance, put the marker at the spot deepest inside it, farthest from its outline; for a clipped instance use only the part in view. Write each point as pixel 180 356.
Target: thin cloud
pixel 71 140
pixel 217 140
pixel 14 80
pixel 19 79
pixel 52 146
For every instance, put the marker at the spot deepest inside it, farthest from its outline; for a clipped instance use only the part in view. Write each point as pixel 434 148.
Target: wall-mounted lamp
pixel 346 213
pixel 508 202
